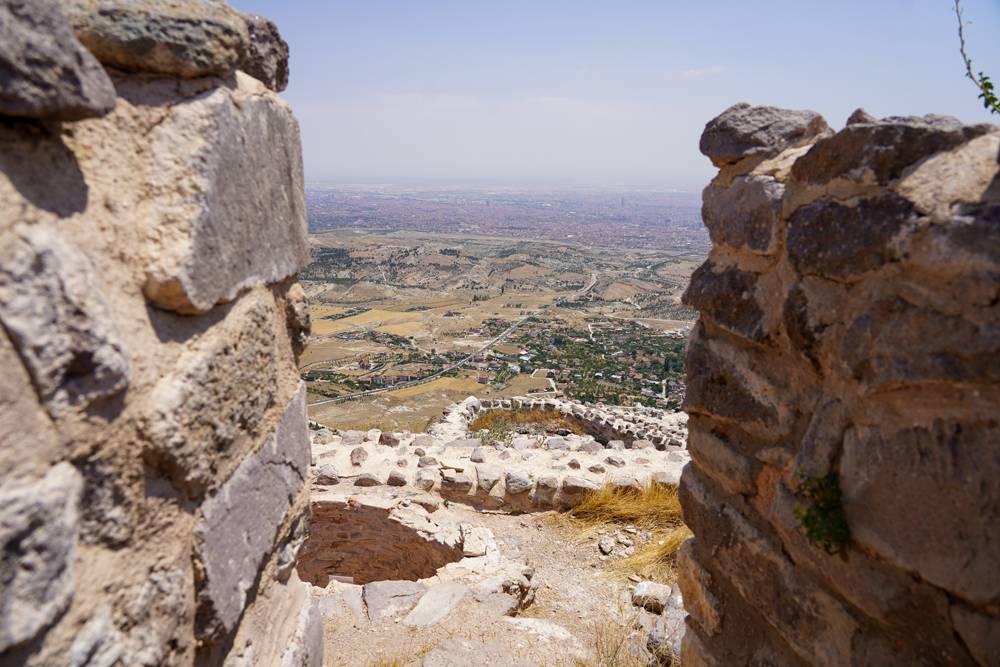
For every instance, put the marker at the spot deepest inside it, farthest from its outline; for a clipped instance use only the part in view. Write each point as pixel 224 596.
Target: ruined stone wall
pixel 153 438
pixel 843 393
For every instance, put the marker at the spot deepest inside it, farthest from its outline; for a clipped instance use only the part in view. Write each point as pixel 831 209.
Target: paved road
pixel 466 359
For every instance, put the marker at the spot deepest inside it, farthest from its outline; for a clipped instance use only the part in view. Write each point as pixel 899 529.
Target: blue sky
pixel 609 94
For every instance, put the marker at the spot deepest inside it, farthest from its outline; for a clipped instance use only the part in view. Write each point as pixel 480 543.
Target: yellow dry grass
pixel 497 421
pixel 441 384
pixel 655 508
pixel 403 328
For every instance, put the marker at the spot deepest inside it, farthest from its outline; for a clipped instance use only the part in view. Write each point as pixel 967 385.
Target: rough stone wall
pixel 153 439
pixel 849 339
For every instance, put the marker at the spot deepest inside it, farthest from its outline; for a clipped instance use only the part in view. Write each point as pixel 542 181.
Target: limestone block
pixel 651 596
pixel 38 529
pixel 517 481
pixel 58 320
pixel 297 313
pixel 28 440
pixel 725 388
pixel 814 623
pixel 696 587
pixel 896 344
pixel 721 461
pixel 839 242
pixel 266 57
pixel 727 295
pixel 453 482
pixel 184 38
pixel 927 498
pixel 436 603
pixel 743 131
pixel 46 73
pixel 227 206
pixel 396 478
pixel 240 522
pixel 744 214
pixel 215 399
pixel 877 153
pixel 388 599
pixel 367 479
pixel 305 647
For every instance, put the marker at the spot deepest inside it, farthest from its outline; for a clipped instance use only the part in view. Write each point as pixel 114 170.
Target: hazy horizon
pixel 583 94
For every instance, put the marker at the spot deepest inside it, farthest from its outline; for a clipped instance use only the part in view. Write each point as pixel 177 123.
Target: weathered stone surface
pixel 327 475
pixel 266 57
pixel 651 596
pixel 696 586
pixel 577 485
pixel 28 439
pixel 728 296
pixel 46 73
pixel 895 343
pixel 743 130
pixel 305 647
pixel 475 540
pixel 38 529
pixel 723 462
pixel 840 242
pixel 722 389
pixel 435 604
pixel 455 482
pixel 487 478
pixel 814 623
pixel 912 495
pixel 477 455
pixel 238 149
pixel 232 371
pixel 57 317
pixel 297 314
pixel 98 644
pixel 981 633
pixel 367 479
pixel 615 461
pixel 859 115
pixel 396 478
pixel 184 38
pixel 358 456
pixel 388 440
pixel 879 152
pixel 744 214
pixel 239 523
pixel 388 599
pixel 517 481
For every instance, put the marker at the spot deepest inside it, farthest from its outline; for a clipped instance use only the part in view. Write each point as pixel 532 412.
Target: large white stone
pixel 239 523
pixel 227 207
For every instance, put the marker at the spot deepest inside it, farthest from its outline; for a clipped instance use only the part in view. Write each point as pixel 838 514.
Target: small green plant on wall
pixel 822 517
pixel 987 92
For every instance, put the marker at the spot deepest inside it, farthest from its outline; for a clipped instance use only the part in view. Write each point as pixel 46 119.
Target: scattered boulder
pixel 358 456
pixel 651 596
pixel 425 479
pixel 266 57
pixel 597 468
pixel 591 447
pixel 396 478
pixel 46 72
pixel 606 545
pixel 615 461
pixel 327 475
pixel 574 464
pixel 427 462
pixel 477 455
pixel 373 435
pixel 455 482
pixel 367 479
pixel 388 440
pixel 517 481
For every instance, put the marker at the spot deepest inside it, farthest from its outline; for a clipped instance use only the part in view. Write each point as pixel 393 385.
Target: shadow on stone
pixel 41 167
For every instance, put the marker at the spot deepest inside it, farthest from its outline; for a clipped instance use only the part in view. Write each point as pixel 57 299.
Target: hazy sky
pixel 611 94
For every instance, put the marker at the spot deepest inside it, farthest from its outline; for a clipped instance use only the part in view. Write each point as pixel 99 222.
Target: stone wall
pixel 843 393
pixel 153 440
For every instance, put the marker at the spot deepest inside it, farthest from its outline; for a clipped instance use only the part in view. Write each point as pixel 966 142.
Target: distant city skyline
pixel 572 93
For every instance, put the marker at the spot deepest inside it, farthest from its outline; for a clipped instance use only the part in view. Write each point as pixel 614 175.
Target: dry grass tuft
pixel 616 641
pixel 655 508
pixel 503 420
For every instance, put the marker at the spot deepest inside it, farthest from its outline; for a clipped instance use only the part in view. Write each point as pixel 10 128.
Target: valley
pixel 410 314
